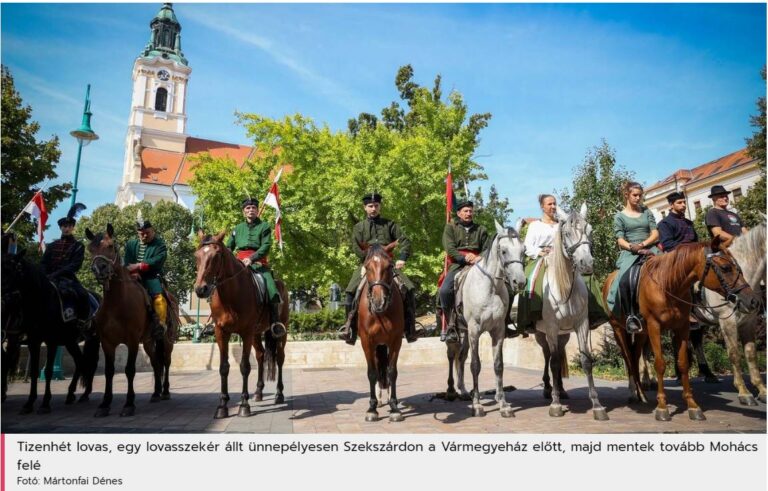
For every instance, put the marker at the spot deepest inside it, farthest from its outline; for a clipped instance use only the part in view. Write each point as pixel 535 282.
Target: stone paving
pixel 334 400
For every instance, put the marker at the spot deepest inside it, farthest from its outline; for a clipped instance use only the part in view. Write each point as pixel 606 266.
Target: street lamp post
pixel 84 135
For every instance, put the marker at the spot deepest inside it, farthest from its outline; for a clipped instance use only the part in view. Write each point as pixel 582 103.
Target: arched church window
pixel 161 99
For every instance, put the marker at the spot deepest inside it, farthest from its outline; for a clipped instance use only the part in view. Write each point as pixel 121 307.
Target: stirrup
pixel 511 333
pixel 278 330
pixel 633 325
pixel 451 335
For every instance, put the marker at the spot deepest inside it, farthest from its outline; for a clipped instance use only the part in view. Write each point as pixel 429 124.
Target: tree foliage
pixel 27 162
pixel 403 155
pixel 597 182
pixel 172 221
pixel 752 204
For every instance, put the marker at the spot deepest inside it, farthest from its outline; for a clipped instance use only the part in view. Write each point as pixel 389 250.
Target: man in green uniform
pixel 144 257
pixel 377 230
pixel 251 241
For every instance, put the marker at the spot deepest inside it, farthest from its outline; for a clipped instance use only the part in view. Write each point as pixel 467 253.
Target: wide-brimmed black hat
pixel 74 210
pixel 674 196
pixel 371 198
pixel 463 203
pixel 717 190
pixel 143 225
pixel 249 202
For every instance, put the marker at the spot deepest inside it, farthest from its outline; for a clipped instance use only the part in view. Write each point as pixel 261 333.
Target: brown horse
pixel 381 321
pixel 126 317
pixel 237 308
pixel 665 303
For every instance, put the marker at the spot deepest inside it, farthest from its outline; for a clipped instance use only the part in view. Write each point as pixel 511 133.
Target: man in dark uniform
pixel 377 230
pixel 722 222
pixel 61 262
pixel 144 257
pixel 251 241
pixel 675 229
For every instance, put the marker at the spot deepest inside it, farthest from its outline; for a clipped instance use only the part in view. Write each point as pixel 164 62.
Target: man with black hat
pixel 61 262
pixel 722 222
pixel 377 230
pixel 675 229
pixel 144 257
pixel 251 241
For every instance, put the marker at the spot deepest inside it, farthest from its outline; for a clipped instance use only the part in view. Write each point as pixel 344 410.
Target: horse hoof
pixel 396 417
pixel 259 397
pixel 221 413
pixel 696 414
pixel 44 410
pixel 478 411
pixel 662 415
pixel 279 399
pixel 507 412
pixel 556 411
pixel 128 411
pixel 600 414
pixel 711 379
pixel 244 411
pixel 83 398
pixel 748 400
pixel 451 395
pixel 371 416
pixel 154 398
pixel 165 396
pixel 101 412
pixel 564 395
pixel 70 399
pixel 26 409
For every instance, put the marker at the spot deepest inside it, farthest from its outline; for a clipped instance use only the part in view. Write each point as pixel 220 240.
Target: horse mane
pixel 376 250
pixel 673 267
pixel 750 245
pixel 558 262
pixel 486 254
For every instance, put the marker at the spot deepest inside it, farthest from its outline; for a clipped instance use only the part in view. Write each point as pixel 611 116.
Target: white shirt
pixel 539 235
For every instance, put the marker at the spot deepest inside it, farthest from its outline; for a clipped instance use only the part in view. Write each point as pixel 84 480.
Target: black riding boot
pixel 451 334
pixel 278 328
pixel 511 333
pixel 410 317
pixel 348 332
pixel 627 292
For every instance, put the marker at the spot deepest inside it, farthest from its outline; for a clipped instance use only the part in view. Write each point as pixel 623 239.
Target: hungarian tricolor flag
pixel 36 208
pixel 273 200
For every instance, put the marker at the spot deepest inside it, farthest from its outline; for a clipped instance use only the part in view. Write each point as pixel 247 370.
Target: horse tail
pixel 270 355
pixel 90 360
pixel 382 361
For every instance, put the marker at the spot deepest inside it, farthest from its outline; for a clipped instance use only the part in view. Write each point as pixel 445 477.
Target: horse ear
pixel 583 211
pixel 561 215
pixel 89 234
pixel 500 230
pixel 519 226
pixel 389 247
pixel 110 230
pixel 364 246
pixel 716 244
pixel 220 236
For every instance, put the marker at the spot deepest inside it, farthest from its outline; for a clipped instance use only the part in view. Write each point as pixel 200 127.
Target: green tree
pixel 27 162
pixel 597 182
pixel 492 209
pixel 699 226
pixel 173 222
pixel 752 205
pixel 403 155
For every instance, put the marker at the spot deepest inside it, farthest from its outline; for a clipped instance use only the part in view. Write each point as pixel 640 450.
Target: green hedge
pixel 316 325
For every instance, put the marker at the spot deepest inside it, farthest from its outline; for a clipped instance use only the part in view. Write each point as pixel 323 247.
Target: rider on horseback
pixel 61 262
pixel 251 241
pixel 144 258
pixel 377 230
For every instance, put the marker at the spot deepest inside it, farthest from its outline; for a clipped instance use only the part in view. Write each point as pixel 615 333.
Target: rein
pixel 215 284
pixel 504 264
pixel 387 287
pixel 111 274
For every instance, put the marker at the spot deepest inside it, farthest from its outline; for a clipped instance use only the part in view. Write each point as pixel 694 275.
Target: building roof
pixel 164 167
pixel 726 163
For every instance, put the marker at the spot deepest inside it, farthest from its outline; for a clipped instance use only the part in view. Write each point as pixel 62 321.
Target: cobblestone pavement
pixel 335 401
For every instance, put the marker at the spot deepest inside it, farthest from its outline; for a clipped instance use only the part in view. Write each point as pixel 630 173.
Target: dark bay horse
pixel 665 303
pixel 380 325
pixel 31 307
pixel 126 317
pixel 237 308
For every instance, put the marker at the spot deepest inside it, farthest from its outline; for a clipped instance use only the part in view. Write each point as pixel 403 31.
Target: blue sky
pixel 668 86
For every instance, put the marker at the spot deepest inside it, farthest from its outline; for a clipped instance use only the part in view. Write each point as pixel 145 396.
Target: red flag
pixel 36 208
pixel 273 200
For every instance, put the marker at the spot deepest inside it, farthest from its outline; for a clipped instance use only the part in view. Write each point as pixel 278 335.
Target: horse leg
pixel 553 340
pixel 245 371
pixel 582 336
pixel 562 340
pixel 91 361
pixel 474 366
pixel 750 353
pixel 74 350
pixel 680 341
pixel 460 364
pixel 34 372
pixel 654 334
pixel 395 416
pixel 258 394
pixel 697 342
pixel 167 352
pixel 279 396
pixel 498 369
pixel 373 376
pixel 130 372
pixel 733 347
pixel 157 370
pixel 222 340
pixel 452 353
pixel 542 340
pixel 109 375
pixel 50 355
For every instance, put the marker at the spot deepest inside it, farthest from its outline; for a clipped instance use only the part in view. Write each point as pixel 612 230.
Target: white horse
pixel 565 309
pixel 486 301
pixel 740 329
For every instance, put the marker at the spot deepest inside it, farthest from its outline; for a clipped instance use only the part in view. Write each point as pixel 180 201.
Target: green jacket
pixel 256 236
pixel 154 257
pixel 380 231
pixel 456 236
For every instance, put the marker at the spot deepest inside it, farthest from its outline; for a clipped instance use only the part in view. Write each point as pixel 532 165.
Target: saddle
pixel 458 304
pixel 70 301
pixel 629 289
pixel 261 287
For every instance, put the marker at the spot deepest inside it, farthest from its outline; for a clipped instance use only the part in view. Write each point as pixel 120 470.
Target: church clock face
pixel 163 75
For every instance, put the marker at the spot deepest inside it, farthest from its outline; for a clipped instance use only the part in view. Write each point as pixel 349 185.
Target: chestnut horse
pixel 665 303
pixel 380 325
pixel 237 308
pixel 126 317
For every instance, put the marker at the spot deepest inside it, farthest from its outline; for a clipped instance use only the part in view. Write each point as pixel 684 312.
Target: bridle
pixel 731 292
pixel 583 240
pixel 215 283
pixel 387 287
pixel 504 264
pixel 110 264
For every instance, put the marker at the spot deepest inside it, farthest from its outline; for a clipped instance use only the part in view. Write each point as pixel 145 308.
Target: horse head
pixel 105 254
pixel 209 258
pixel 721 273
pixel 380 275
pixel 576 239
pixel 511 252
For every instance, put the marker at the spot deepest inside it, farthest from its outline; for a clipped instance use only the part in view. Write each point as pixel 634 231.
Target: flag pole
pixel 277 178
pixel 21 212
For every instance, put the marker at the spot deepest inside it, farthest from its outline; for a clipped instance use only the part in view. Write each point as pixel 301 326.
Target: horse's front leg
pixel 498 370
pixel 654 336
pixel 279 396
pixel 451 351
pixel 460 362
pixel 733 347
pixel 370 358
pixel 109 375
pixel 555 363
pixel 395 416
pixel 34 373
pixel 129 409
pixel 474 366
pixel 222 340
pixel 582 336
pixel 750 353
pixel 697 341
pixel 152 349
pixel 541 338
pixel 167 352
pixel 50 355
pixel 245 371
pixel 74 350
pixel 258 394
pixel 680 341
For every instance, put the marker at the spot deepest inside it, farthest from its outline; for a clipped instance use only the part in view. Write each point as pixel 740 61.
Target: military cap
pixel 249 202
pixel 463 203
pixel 674 196
pixel 143 225
pixel 372 198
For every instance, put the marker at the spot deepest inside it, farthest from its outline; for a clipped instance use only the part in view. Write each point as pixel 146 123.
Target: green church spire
pixel 165 37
